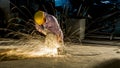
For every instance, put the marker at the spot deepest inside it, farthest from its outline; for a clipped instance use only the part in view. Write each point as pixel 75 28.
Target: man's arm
pixel 40 29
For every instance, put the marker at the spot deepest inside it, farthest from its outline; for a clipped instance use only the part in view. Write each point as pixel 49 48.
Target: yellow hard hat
pixel 39 17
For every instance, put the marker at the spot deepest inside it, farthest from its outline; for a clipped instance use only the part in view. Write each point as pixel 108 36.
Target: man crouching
pixel 48 25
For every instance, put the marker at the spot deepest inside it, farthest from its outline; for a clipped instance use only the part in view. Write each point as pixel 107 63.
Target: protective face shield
pixel 39 17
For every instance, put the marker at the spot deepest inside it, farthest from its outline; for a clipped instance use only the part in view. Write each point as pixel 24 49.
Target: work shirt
pixel 52 25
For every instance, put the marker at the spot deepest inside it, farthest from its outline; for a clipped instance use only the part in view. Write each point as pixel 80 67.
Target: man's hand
pixel 44 32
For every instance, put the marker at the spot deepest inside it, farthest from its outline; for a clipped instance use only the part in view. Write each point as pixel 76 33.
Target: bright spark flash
pixel 35 48
pixel 45 51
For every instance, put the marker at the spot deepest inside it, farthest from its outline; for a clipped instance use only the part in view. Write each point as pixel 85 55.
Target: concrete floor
pixel 77 56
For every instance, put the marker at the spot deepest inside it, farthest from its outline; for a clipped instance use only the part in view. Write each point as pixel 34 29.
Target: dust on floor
pixel 77 56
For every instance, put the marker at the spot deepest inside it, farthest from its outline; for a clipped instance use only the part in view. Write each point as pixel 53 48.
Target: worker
pixel 48 25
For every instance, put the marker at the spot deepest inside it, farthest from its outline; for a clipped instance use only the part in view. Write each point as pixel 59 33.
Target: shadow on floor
pixel 113 63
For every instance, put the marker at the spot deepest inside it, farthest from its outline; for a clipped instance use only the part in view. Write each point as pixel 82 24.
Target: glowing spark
pixel 38 49
pixel 45 51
